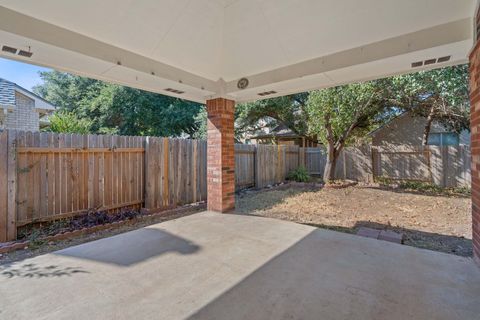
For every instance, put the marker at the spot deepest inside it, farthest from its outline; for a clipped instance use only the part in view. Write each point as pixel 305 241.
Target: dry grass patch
pixel 437 222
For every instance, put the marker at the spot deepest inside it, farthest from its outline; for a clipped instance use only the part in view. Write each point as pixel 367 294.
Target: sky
pixel 24 74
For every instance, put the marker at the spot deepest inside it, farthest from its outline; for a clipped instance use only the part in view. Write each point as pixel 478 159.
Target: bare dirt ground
pixel 430 221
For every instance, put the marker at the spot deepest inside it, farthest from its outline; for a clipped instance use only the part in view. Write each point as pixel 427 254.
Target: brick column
pixel 475 144
pixel 220 155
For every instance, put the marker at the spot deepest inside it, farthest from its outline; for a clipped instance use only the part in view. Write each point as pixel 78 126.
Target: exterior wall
pixel 220 155
pixel 475 142
pixel 408 130
pixel 24 116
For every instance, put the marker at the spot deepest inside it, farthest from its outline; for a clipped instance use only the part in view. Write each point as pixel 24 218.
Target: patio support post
pixel 220 155
pixel 475 141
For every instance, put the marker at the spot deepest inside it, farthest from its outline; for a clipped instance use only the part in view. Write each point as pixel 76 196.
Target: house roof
pixel 386 124
pixel 7 94
pixel 8 100
pixel 280 131
pixel 201 49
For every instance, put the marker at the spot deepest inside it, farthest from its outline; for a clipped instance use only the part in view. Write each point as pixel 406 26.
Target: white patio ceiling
pixel 203 47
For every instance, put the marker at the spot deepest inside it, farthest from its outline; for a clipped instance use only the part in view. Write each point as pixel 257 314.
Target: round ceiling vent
pixel 242 83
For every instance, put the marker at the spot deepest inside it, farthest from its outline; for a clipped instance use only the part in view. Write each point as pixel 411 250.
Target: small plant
pixel 68 122
pixel 420 186
pixel 299 175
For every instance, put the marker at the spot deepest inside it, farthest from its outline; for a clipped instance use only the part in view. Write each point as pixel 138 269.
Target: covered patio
pixel 211 266
pixel 222 52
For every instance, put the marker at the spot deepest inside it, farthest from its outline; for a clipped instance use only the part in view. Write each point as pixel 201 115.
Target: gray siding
pixel 23 116
pixel 408 130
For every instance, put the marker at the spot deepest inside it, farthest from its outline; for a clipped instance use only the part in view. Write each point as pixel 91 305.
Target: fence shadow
pixel 34 271
pixel 456 245
pixel 130 248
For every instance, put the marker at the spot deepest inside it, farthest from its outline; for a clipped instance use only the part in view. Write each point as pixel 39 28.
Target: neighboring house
pixel 407 129
pixel 21 109
pixel 281 135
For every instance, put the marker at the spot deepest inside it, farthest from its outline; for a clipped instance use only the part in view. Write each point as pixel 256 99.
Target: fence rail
pixel 59 175
pixel 47 176
pixel 447 166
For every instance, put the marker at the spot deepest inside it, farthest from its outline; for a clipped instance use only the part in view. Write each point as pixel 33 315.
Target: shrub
pixel 420 186
pixel 68 122
pixel 426 187
pixel 299 175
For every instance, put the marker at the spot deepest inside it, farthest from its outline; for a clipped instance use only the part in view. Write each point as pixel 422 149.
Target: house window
pixel 443 139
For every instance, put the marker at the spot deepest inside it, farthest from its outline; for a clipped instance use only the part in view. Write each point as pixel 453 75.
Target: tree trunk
pixel 332 155
pixel 428 126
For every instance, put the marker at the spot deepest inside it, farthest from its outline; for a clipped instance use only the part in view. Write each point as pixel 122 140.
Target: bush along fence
pixel 49 176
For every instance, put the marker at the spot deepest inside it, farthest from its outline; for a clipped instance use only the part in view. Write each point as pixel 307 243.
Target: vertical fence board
pixel 22 168
pixel 12 184
pixel 3 185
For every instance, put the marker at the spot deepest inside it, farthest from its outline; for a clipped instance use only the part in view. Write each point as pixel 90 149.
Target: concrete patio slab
pixel 217 266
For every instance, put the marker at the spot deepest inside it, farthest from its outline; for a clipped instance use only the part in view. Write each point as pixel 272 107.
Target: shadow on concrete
pixel 327 275
pixel 425 240
pixel 32 271
pixel 132 247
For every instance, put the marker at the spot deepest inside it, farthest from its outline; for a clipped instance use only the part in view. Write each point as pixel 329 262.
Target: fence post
pixel 3 185
pixel 147 174
pixel 12 186
pixel 256 166
pixel 374 154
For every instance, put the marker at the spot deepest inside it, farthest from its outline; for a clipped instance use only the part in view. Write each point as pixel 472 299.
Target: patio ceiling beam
pixel 25 26
pixel 453 32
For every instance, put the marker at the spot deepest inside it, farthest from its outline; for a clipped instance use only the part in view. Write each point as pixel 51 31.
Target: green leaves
pixel 288 111
pixel 343 109
pixel 68 122
pixel 114 109
pixel 443 91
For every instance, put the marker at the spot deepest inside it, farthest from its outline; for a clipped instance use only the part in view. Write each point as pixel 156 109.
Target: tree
pixel 201 124
pixel 336 114
pixel 438 95
pixel 117 109
pixel 68 122
pixel 288 111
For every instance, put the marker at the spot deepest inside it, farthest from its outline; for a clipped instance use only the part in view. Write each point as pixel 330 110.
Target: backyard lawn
pixel 440 222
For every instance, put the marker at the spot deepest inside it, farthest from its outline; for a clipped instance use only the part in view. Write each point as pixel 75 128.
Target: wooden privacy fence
pixel 263 165
pixel 175 171
pixel 447 166
pixel 47 176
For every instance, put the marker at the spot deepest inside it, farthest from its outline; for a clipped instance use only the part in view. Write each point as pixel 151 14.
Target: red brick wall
pixel 220 155
pixel 475 144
